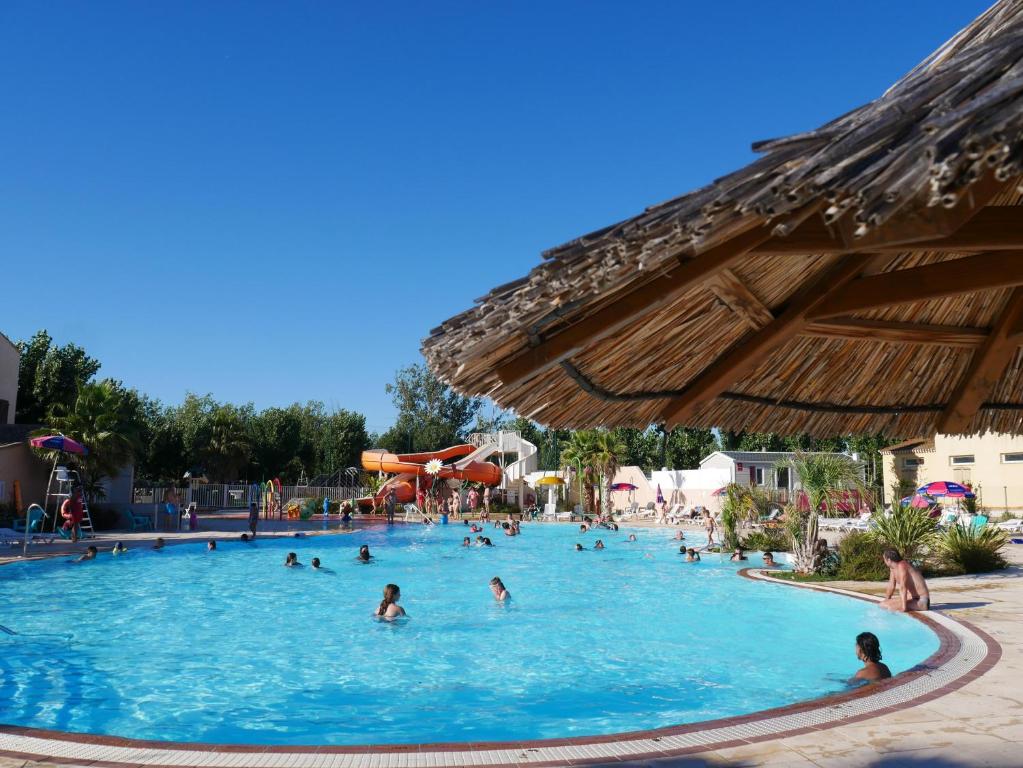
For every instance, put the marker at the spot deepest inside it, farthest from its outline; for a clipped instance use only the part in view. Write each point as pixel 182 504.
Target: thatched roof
pixel 860 277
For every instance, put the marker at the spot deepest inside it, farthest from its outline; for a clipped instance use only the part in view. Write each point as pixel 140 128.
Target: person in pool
pixel 90 554
pixel 159 543
pixel 769 560
pixel 578 547
pixel 466 541
pixel 692 556
pixel 737 555
pixel 868 650
pixel 318 567
pixel 632 537
pixel 389 608
pixel 500 593
pixel 291 561
pixel 583 528
pixel 211 546
pixel 119 549
pixel 679 535
pixel 599 544
pixel 487 542
pixel 364 555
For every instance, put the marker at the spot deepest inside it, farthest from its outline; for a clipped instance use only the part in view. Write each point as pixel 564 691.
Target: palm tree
pixel 227 449
pixel 820 475
pixel 103 420
pixel 607 451
pixel 578 454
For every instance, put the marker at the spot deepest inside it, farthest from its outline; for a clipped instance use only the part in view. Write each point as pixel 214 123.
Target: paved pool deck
pixel 964 710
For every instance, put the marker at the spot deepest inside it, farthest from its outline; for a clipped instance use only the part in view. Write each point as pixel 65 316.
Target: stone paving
pixel 980 724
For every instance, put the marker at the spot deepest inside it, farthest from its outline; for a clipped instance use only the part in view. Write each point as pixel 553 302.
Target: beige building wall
pixel 17 462
pixel 992 464
pixel 10 361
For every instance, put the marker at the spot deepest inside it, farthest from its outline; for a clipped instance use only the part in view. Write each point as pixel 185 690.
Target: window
pixel 757 475
pixel 781 477
pixel 966 458
pixel 1012 458
pixel 913 462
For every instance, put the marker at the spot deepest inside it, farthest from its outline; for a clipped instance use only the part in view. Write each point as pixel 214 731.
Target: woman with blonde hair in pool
pixel 389 608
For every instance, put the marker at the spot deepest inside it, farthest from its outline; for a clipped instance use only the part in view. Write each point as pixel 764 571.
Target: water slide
pixel 460 462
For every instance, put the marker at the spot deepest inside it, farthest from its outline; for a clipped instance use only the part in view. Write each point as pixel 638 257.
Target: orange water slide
pixel 408 466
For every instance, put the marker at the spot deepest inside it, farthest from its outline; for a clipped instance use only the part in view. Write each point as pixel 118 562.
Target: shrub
pixel 770 540
pixel 859 558
pixel 968 549
pixel 907 529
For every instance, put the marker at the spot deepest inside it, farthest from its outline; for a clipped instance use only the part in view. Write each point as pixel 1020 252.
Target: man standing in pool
pixel 913 592
pixel 390 502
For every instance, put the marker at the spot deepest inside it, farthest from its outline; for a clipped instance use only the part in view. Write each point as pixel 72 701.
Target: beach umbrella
pixel 551 481
pixel 720 491
pixel 917 501
pixel 59 443
pixel 624 487
pixel 945 488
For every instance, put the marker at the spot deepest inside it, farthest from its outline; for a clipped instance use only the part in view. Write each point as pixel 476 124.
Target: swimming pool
pixel 230 646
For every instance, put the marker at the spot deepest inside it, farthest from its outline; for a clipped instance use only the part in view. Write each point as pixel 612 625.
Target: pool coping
pixel 965 653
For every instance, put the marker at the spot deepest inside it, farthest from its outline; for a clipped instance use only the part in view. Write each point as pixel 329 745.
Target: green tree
pixel 342 440
pixel 50 377
pixel 687 447
pixel 430 414
pixel 227 451
pixel 639 447
pixel 103 419
pixel 276 437
pixel 578 455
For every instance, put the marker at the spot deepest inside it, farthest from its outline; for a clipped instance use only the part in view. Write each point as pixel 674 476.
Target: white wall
pixel 9 362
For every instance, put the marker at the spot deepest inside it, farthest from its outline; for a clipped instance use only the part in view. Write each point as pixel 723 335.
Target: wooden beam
pixel 987 271
pixel 749 352
pixel 732 291
pixel 986 369
pixel 901 333
pixel 614 316
pixel 994 228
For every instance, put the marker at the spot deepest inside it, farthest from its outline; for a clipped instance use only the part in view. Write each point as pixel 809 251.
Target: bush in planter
pixel 859 558
pixel 771 540
pixel 909 530
pixel 968 549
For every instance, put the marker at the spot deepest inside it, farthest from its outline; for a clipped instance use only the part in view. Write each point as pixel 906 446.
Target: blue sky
pixel 275 202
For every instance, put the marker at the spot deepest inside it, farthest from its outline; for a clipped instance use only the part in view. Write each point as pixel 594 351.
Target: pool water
pixel 230 646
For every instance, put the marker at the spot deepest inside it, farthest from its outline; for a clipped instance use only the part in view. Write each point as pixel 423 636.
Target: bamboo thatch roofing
pixel 863 276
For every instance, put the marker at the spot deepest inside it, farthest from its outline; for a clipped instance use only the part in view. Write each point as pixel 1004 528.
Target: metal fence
pixel 238 496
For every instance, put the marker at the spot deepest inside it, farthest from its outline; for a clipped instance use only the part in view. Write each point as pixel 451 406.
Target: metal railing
pixel 238 496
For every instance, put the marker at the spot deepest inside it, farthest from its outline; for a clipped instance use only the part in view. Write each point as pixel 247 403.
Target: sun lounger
pixel 10 536
pixel 1012 526
pixel 32 526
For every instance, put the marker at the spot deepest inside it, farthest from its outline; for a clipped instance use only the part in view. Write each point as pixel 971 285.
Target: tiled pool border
pixel 964 654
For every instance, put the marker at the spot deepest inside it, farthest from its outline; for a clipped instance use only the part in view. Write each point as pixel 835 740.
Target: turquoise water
pixel 233 647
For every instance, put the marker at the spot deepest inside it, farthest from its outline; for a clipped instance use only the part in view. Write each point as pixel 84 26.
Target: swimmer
pixel 292 561
pixel 598 544
pixel 316 563
pixel 632 537
pixel 245 538
pixel 769 560
pixel 317 566
pixel 509 530
pixel 583 528
pixel 364 555
pixel 500 593
pixel 680 536
pixel 159 544
pixel 487 542
pixel 119 549
pixel 868 650
pixel 737 555
pixel 578 547
pixel 90 554
pixel 389 608
pixel 211 546
pixel 692 556
pixel 466 541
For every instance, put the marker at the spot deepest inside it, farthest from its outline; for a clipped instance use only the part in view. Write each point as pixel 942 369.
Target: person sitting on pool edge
pixel 868 650
pixel 500 593
pixel 389 608
pixel 364 555
pixel 737 555
pixel 292 561
pixel 913 593
pixel 769 560
pixel 692 556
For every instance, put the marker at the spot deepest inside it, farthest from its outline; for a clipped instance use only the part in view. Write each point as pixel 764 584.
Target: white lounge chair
pixel 1010 526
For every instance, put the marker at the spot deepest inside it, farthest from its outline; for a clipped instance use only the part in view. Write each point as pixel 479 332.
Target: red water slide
pixel 408 466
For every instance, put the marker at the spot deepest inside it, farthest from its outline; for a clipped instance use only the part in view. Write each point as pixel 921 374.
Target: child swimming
pixel 389 608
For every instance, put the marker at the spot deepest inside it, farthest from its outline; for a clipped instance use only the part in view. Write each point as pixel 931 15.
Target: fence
pixel 239 496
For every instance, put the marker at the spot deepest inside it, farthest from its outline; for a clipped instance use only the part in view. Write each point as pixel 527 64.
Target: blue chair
pixel 33 522
pixel 139 522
